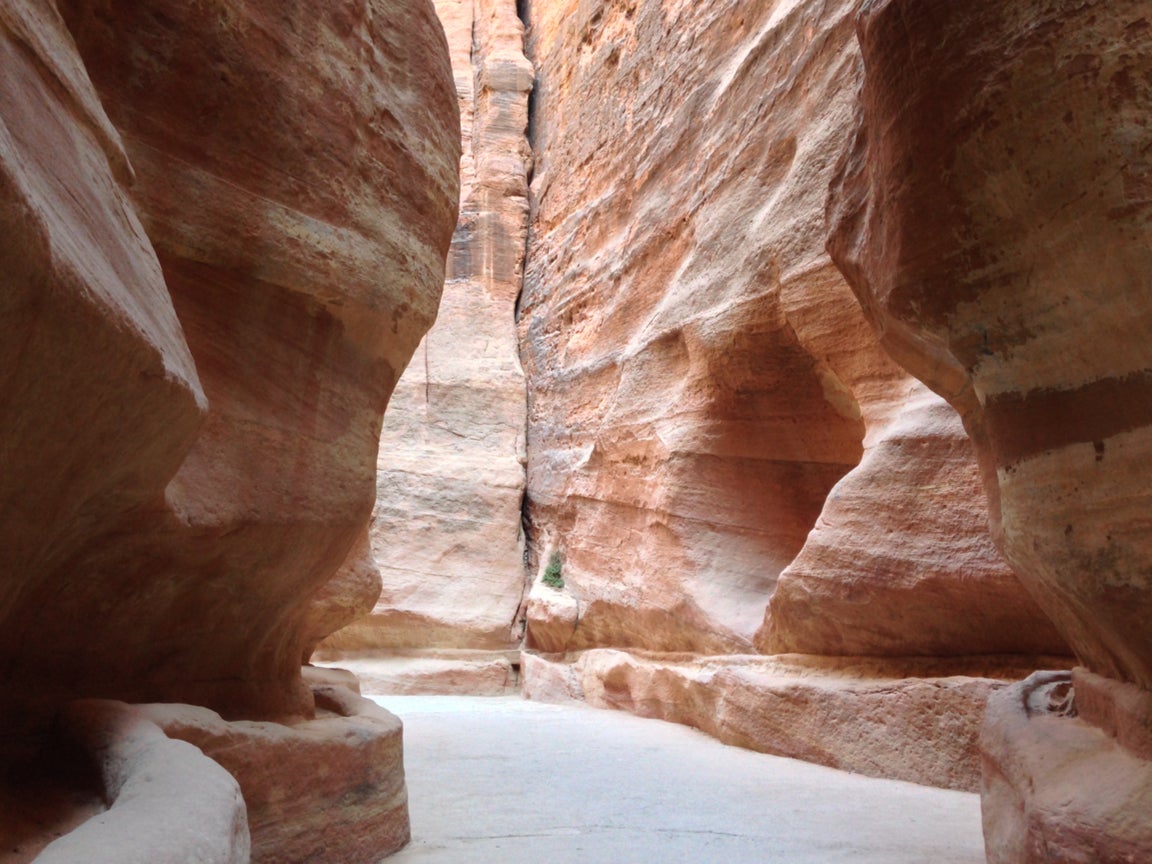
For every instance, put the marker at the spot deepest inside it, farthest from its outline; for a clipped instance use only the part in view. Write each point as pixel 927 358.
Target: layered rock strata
pixel 446 533
pixel 700 377
pixel 993 218
pixel 917 721
pixel 224 229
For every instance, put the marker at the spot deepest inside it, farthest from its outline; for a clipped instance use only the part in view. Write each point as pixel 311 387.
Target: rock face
pixel 446 534
pixel 901 563
pixel 700 377
pixel 223 229
pixel 192 407
pixel 993 217
pixel 693 357
pixel 917 721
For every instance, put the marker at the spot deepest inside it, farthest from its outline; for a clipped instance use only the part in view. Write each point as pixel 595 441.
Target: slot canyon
pixel 779 369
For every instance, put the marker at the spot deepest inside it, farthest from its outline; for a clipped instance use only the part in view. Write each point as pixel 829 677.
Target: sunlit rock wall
pixel 700 375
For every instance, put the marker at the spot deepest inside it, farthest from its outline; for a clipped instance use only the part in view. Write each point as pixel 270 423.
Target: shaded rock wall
pixel 223 230
pixel 993 217
pixel 193 393
pixel 446 534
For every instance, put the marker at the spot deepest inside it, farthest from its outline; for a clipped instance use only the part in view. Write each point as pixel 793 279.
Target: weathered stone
pixel 998 239
pixel 295 173
pixel 446 533
pixel 1059 788
pixel 914 720
pixel 329 789
pixel 901 563
pixel 993 216
pixel 699 375
pixel 168 803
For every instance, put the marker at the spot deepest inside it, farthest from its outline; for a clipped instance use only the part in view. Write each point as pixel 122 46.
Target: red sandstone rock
pixel 99 397
pixel 296 174
pixel 699 376
pixel 993 219
pixel 168 802
pixel 901 563
pixel 330 789
pixel 446 533
pixel 1057 787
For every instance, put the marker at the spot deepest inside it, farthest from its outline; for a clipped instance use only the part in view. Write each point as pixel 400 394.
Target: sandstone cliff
pixel 992 216
pixel 446 534
pixel 224 232
pixel 700 376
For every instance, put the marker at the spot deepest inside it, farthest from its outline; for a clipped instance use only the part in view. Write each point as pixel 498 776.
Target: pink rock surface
pixel 914 720
pixel 1059 788
pixel 901 563
pixel 192 431
pixel 446 533
pixel 699 376
pixel 325 790
pixel 168 802
pixel 992 217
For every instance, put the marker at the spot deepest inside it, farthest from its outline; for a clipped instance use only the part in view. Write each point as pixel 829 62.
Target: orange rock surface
pixel 446 533
pixel 993 217
pixel 700 377
pixel 193 430
pixel 901 563
pixel 223 232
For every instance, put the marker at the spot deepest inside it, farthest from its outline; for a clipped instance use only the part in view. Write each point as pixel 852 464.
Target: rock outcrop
pixel 993 217
pixel 446 534
pixel 223 230
pixel 912 720
pixel 700 377
pixel 901 562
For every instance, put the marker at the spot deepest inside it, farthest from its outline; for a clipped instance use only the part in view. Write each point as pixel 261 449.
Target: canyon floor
pixel 500 779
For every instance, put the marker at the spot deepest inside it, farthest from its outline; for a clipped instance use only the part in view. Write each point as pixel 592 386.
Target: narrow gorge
pixel 784 375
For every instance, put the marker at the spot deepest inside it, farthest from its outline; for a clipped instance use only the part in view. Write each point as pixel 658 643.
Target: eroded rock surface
pixel 191 433
pixel 997 237
pixel 993 217
pixel 699 378
pixel 446 533
pixel 901 562
pixel 223 229
pixel 917 721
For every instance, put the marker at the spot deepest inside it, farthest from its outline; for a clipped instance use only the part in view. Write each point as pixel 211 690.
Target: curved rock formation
pixel 296 176
pixel 446 532
pixel 997 238
pixel 993 217
pixel 901 562
pixel 223 229
pixel 699 377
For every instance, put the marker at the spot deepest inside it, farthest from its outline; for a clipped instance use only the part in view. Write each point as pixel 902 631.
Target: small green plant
pixel 552 577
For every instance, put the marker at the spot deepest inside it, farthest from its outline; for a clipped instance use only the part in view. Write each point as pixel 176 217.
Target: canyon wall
pixel 702 384
pixel 446 534
pixel 992 215
pixel 224 232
